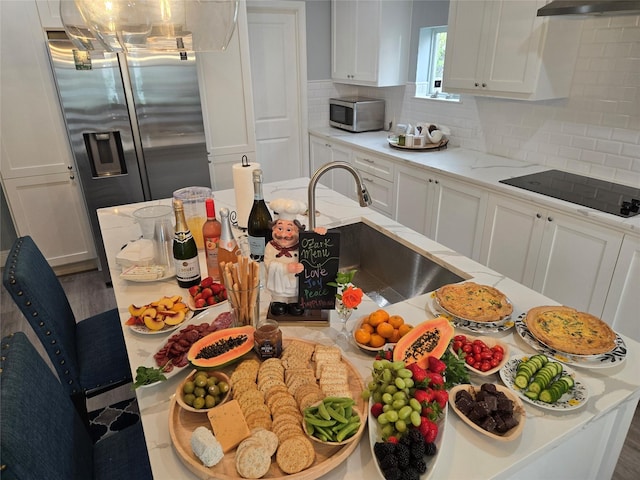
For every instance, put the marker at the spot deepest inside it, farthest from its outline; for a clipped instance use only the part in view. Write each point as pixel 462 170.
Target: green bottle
pixel 185 251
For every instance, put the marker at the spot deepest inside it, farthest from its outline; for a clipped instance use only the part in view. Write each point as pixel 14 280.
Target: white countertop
pixel 475 167
pixel 465 454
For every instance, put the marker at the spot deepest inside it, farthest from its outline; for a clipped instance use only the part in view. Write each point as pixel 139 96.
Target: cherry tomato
pixel 470 360
pixel 484 366
pixel 486 355
pixel 457 345
pixel 497 348
pixel 467 348
pixel 494 362
pixel 498 356
pixel 460 338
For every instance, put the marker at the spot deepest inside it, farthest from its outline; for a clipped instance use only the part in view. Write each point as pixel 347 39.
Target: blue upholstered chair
pixel 89 356
pixel 42 435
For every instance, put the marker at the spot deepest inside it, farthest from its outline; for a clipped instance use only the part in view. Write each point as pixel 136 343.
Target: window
pixel 430 65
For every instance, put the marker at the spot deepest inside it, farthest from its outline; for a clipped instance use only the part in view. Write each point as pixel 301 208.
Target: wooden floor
pixel 88 295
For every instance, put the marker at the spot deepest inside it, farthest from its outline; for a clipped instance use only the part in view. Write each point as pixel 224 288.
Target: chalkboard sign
pixel 319 254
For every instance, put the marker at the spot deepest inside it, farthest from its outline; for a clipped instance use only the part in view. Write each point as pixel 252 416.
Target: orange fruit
pixel 385 330
pixel 376 340
pixel 362 336
pixel 395 337
pixel 404 329
pixel 367 328
pixel 377 317
pixel 396 321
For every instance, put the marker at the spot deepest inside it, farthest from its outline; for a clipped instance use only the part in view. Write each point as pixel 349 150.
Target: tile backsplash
pixel 595 131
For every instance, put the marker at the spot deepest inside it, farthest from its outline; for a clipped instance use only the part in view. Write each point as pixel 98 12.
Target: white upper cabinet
pixel 370 41
pixel 502 49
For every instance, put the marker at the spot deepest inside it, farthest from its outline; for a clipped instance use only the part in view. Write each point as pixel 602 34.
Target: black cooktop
pixel 604 196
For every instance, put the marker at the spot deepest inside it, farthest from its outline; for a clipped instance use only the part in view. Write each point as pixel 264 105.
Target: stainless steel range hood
pixel 590 7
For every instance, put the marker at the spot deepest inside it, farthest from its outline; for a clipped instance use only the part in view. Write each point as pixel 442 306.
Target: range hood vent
pixel 590 7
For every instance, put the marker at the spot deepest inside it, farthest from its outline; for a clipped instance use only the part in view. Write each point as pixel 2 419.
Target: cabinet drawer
pixel 381 192
pixel 373 165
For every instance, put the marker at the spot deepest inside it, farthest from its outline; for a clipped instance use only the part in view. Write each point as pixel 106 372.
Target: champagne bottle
pixel 185 251
pixel 211 236
pixel 227 246
pixel 259 219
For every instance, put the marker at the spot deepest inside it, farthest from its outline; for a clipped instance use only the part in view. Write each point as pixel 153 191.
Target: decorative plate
pixel 518 412
pixel 605 360
pixel 434 308
pixel 376 436
pixel 575 398
pixel 144 330
pixel 208 316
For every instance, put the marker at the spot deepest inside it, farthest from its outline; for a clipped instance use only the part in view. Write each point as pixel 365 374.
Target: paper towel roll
pixel 243 186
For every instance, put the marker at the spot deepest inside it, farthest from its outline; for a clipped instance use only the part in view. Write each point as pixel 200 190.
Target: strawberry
pixel 212 300
pixel 435 379
pixel 216 288
pixel 376 409
pixel 436 365
pixel 428 429
pixel 193 291
pixel 442 397
pixel 206 282
pixel 207 292
pixel 419 373
pixel 423 395
pixel 201 303
pixel 431 410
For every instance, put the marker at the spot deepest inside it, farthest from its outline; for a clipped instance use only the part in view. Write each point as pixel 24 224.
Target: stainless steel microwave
pixel 356 114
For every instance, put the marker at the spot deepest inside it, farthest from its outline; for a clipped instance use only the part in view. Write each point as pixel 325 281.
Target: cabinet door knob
pixel 484 85
pixel 549 219
pixel 538 215
pixel 477 84
pixel 430 181
pixel 69 167
pixel 437 182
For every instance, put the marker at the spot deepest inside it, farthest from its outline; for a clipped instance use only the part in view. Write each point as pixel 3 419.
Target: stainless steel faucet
pixel 363 194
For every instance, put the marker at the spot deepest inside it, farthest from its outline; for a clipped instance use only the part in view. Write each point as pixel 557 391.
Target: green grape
pixel 415 404
pixel 401 426
pixel 383 419
pixel 385 363
pixel 388 430
pixel 387 376
pixel 392 389
pixel 391 415
pixel 404 373
pixel 397 365
pixel 386 407
pixel 415 418
pixel 377 397
pixel 398 404
pixel 366 394
pixel 400 395
pixel 387 398
pixel 404 412
pixel 409 383
pixel 372 385
pixel 377 365
pixel 400 383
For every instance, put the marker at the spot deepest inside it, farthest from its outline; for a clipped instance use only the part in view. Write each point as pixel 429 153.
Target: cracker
pixel 253 462
pixel 294 454
pixel 268 439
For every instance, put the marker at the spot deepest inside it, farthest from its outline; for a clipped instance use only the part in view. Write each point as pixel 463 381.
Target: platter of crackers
pixel 265 412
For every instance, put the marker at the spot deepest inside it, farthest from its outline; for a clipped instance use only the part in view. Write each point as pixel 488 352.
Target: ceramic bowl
pixel 353 438
pixel 367 348
pixel 518 412
pixel 180 391
pixel 489 342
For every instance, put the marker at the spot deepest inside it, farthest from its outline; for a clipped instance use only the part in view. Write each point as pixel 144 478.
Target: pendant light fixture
pixel 165 25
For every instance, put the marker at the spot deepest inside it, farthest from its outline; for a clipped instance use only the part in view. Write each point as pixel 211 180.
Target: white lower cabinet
pixel 560 256
pixel 51 209
pixel 448 211
pixel 622 307
pixel 378 175
pixel 322 151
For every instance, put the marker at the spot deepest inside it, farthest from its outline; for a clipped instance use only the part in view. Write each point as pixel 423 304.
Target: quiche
pixel 570 331
pixel 474 302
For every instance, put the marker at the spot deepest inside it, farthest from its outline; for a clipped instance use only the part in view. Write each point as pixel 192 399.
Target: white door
pixel 277 44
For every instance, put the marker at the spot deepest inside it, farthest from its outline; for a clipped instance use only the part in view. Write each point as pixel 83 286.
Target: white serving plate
pixel 575 398
pixel 144 330
pixel 433 308
pixel 376 436
pixel 518 410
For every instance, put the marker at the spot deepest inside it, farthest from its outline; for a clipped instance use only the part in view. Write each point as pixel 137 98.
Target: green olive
pixel 198 403
pixel 212 381
pixel 199 392
pixel 200 382
pixel 224 387
pixel 189 398
pixel 210 401
pixel 188 387
pixel 214 390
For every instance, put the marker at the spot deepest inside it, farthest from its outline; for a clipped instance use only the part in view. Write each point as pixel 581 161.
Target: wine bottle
pixel 259 219
pixel 185 251
pixel 211 235
pixel 227 246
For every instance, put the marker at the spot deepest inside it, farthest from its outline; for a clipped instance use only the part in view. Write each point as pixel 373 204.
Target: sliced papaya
pixel 429 339
pixel 221 347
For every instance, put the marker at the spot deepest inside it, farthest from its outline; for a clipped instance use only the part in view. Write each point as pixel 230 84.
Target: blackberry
pixel 419 464
pixel 418 449
pixel 388 462
pixel 403 454
pixel 410 474
pixel 405 440
pixel 382 449
pixel 430 449
pixel 415 436
pixel 393 473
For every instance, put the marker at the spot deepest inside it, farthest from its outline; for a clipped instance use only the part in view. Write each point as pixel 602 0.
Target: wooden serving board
pixel 182 424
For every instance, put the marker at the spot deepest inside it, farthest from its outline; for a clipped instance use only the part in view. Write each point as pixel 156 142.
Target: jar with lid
pixel 268 339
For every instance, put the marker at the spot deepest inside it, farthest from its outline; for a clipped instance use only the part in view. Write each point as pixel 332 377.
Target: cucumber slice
pixel 531 395
pixel 521 381
pixel 545 396
pixel 568 380
pixel 535 387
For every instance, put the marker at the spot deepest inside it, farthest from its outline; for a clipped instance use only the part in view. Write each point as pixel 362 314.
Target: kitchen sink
pixel 388 271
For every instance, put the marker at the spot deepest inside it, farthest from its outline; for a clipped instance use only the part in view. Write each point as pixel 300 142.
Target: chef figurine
pixel 281 257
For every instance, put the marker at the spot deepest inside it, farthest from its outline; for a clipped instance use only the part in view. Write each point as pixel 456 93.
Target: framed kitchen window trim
pixel 430 65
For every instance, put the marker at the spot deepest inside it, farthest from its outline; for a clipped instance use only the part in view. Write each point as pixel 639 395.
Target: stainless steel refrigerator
pixel 134 122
